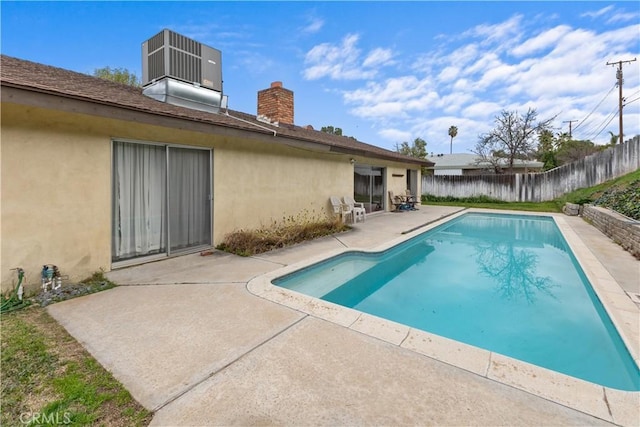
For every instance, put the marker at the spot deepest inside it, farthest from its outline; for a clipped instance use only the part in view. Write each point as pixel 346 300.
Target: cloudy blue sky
pixel 385 72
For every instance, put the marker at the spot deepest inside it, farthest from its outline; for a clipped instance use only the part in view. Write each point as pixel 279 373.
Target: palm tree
pixel 453 132
pixel 614 139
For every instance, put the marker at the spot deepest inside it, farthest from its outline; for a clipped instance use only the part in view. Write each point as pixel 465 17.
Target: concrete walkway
pixel 190 342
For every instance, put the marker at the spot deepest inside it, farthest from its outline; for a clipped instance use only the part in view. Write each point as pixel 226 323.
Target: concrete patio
pixel 190 342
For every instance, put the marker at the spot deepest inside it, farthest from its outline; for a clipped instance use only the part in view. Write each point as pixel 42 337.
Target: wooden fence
pixel 537 187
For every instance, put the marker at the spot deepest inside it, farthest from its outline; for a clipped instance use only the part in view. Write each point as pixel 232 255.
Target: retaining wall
pixel 622 230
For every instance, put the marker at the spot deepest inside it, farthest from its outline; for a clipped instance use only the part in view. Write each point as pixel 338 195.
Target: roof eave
pixel 324 146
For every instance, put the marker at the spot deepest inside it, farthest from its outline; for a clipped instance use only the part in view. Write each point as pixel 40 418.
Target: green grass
pixel 592 193
pixel 517 206
pixel 48 378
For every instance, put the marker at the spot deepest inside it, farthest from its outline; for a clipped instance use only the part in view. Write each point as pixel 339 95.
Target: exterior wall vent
pixel 182 71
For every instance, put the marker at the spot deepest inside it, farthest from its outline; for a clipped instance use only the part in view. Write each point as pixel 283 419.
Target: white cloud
pixel 398 88
pixel 625 36
pixel 395 135
pixel 499 74
pixel 313 26
pixel 454 102
pixel 449 73
pixel 342 62
pixel 508 30
pixel 346 50
pixel 482 110
pixel 463 85
pixel 486 61
pixel 254 62
pixel 541 41
pixel 464 54
pixel 335 61
pixel 378 57
pixel 615 16
pixel 622 17
pixel 383 110
pixel 597 13
pixel 394 99
pixel 466 81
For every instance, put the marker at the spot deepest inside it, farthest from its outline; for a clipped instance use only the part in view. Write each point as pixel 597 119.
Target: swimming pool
pixel 505 283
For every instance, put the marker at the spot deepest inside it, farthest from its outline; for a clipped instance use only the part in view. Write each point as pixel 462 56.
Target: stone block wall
pixel 622 230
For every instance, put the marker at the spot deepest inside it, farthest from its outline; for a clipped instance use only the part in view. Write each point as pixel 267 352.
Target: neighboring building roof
pixel 473 161
pixel 35 77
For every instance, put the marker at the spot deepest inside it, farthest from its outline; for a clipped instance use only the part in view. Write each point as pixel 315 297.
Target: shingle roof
pixel 33 76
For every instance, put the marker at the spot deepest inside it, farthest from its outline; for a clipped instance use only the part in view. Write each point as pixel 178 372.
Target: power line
pixel 604 127
pixel 634 93
pixel 629 102
pixel 596 107
pixel 633 100
pixel 596 129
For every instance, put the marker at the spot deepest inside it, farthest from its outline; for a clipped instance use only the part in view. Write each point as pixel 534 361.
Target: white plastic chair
pixel 339 208
pixel 359 212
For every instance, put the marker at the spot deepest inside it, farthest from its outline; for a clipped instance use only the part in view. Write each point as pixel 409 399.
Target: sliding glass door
pixel 189 198
pixel 160 199
pixel 368 185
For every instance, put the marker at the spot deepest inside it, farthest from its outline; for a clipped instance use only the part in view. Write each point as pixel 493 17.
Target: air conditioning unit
pixel 182 71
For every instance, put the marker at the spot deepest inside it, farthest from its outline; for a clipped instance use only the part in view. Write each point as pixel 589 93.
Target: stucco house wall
pixel 58 131
pixel 56 185
pixel 55 194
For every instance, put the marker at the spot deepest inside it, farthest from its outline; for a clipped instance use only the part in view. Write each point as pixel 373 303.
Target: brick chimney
pixel 276 103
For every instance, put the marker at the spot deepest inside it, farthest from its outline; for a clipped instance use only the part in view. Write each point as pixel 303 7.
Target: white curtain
pixel 139 204
pixel 189 198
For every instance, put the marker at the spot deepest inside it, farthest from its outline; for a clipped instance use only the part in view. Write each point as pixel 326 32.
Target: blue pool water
pixel 505 283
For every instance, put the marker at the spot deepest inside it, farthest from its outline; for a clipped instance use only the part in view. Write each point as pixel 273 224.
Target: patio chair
pixel 341 209
pixel 396 202
pixel 359 212
pixel 411 200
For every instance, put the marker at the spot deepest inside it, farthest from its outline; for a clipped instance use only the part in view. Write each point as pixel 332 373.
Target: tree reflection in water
pixel 514 271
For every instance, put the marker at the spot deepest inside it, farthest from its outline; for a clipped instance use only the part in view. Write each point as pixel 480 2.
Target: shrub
pixel 625 201
pixel 288 231
pixel 583 201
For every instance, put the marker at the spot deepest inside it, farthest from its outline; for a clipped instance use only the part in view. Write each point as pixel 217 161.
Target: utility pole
pixel 569 121
pixel 620 99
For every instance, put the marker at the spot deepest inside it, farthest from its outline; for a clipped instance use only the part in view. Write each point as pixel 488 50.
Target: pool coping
pixel 617 406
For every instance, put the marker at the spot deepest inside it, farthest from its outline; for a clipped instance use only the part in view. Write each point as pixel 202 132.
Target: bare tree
pixel 487 156
pixel 514 271
pixel 514 136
